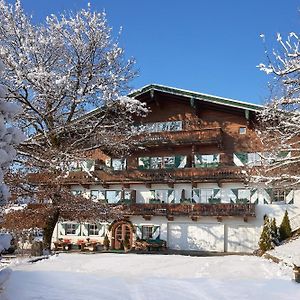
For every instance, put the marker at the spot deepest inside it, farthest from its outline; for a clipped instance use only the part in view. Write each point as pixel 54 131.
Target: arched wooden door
pixel 121 231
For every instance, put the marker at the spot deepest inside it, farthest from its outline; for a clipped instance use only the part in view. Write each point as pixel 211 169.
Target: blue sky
pixel 206 46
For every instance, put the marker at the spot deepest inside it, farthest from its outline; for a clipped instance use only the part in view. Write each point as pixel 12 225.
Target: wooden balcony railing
pixel 206 136
pixel 220 209
pixel 146 176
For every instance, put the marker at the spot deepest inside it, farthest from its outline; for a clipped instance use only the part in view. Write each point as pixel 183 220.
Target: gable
pixel 150 91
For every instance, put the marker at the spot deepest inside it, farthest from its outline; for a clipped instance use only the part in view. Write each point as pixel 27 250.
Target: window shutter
pixel 108 162
pixel 139 232
pixel 217 195
pixel 289 197
pixel 85 229
pixel 180 161
pixel 254 196
pixel 171 196
pixel 266 195
pixel 240 159
pixel 233 195
pixel 144 163
pixel 62 228
pixel 78 231
pixel 101 229
pixel 89 164
pixel 284 154
pixel 133 196
pixel 155 232
pixel 196 195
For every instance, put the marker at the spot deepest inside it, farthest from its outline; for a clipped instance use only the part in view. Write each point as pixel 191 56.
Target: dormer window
pixel 242 130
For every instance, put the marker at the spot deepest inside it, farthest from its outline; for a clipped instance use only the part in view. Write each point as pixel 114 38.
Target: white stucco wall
pixel 234 234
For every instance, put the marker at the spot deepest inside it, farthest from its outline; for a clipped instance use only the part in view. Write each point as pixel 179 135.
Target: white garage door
pixel 243 238
pixel 192 236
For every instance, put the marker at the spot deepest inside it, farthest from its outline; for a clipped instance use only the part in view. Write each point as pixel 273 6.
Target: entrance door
pixel 122 232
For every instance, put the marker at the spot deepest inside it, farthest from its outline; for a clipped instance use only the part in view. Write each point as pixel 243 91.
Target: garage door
pixel 191 236
pixel 243 238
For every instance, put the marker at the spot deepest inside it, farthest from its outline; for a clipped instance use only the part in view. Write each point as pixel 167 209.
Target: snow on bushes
pixel 9 137
pixel 5 240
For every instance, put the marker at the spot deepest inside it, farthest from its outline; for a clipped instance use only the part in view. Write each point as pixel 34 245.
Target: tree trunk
pixel 49 228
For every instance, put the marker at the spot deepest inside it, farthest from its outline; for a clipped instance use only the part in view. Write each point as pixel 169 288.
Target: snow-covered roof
pixel 196 96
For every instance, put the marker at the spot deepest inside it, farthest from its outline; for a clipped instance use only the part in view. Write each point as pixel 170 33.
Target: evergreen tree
pixel 274 233
pixel 285 230
pixel 265 241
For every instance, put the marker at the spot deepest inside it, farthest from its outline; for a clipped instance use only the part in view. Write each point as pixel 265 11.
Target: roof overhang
pixel 196 96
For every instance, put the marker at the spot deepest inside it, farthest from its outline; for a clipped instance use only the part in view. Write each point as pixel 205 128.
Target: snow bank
pixel 289 252
pixel 4 275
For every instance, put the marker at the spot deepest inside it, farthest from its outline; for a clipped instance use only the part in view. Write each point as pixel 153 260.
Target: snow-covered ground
pixel 143 277
pixel 289 252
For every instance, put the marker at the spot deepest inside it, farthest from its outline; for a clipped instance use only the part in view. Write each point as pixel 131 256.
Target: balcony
pixel 186 175
pixel 207 136
pixel 174 175
pixel 192 210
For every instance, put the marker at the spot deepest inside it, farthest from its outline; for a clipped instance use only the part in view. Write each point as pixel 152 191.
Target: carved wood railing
pixel 146 176
pixel 220 209
pixel 201 136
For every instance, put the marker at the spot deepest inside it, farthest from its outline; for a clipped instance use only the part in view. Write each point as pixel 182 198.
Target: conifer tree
pixel 274 233
pixel 265 241
pixel 285 230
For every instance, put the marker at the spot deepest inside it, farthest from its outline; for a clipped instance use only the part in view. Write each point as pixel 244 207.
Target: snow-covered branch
pixel 70 76
pixel 280 119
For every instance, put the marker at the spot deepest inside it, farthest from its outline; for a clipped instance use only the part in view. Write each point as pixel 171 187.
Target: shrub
pixel 285 230
pixel 106 242
pixel 265 241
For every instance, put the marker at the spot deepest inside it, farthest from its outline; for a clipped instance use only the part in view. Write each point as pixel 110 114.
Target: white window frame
pixel 118 164
pixel 242 130
pixel 70 227
pixel 93 228
pixel 147 232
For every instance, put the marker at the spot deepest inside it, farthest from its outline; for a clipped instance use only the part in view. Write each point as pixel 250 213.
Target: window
pixel 207 160
pixel 280 195
pixel 147 232
pixel 206 195
pixel 252 159
pixel 162 196
pixel 97 195
pixel 82 165
pixel 70 228
pixel 156 163
pixel 241 196
pixel 94 195
pixel 118 164
pixel 167 162
pixel 244 196
pixel 162 126
pixel 93 229
pixel 242 130
pixel 76 192
pixel 113 196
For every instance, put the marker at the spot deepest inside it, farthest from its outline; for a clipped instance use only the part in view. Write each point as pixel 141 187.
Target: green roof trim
pixel 197 96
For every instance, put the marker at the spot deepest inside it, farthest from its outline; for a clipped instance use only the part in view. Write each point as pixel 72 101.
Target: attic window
pixel 242 130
